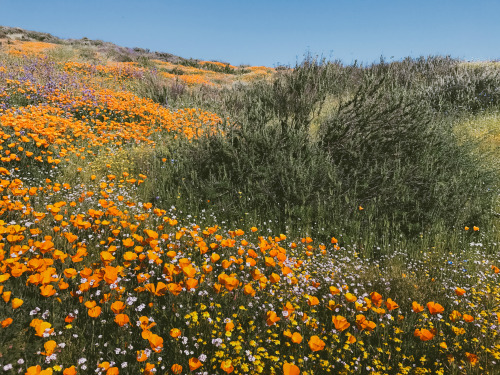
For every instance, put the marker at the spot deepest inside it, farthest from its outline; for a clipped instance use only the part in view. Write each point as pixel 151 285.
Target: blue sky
pixel 270 32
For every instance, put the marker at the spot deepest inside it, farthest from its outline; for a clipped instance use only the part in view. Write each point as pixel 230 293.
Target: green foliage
pixel 386 148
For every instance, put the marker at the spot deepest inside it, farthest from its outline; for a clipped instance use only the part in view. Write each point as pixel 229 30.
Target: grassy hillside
pixel 168 215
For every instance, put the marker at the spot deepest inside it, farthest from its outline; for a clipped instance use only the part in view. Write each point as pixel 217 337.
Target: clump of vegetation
pixel 382 146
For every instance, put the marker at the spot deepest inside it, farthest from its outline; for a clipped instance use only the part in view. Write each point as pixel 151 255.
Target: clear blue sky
pixel 269 32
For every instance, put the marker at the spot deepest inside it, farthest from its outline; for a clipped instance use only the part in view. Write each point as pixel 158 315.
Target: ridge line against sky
pixel 273 32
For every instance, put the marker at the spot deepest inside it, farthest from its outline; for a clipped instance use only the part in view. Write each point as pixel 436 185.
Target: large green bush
pixel 383 145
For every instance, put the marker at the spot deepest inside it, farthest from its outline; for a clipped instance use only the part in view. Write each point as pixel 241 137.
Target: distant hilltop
pixel 121 54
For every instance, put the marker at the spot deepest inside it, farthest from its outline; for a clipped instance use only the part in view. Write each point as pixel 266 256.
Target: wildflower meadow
pixel 170 216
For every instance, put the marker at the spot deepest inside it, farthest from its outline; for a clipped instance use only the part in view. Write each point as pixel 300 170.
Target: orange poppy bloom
pixel 312 301
pixel 459 291
pixel 128 242
pixel 435 308
pixel 229 326
pixel 416 307
pixel 122 319
pixel 6 296
pixel 141 356
pixel 227 366
pixel 391 305
pixel 94 312
pixel 296 338
pixel 175 332
pixel 249 290
pixel 472 358
pixel 340 323
pixel 17 302
pixel 351 339
pixel 6 322
pixel 455 315
pixel 230 283
pixel 34 370
pixel 290 369
pixel 316 344
pixel 47 290
pixel 334 290
pixel 49 347
pixel 117 307
pixel 194 363
pixel 70 371
pixel 424 334
pixel 150 369
pixel 289 309
pixel 468 318
pixel 176 368
pixel 350 297
pixel 376 298
pixel 272 318
pixel 270 262
pixel 274 278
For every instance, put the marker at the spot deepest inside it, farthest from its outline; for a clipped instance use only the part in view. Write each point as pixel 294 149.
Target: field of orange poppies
pixel 96 280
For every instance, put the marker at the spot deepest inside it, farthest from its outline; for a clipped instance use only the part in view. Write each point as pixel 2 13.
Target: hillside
pixel 177 216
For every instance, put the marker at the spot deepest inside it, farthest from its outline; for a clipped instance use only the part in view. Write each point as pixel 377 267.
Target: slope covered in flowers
pixel 93 280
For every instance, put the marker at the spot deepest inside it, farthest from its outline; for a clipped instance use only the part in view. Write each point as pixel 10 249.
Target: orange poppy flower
pixel 94 312
pixel 70 371
pixel 17 302
pixel 194 363
pixel 6 322
pixel 468 318
pixel 417 307
pixel 290 369
pixel 272 318
pixel 34 370
pixel 312 301
pixel 391 305
pixel 117 307
pixel 351 339
pixel 350 297
pixel 176 368
pixel 334 290
pixel 229 326
pixel 435 308
pixel 296 338
pixel 175 332
pixel 424 334
pixel 230 283
pixel 141 356
pixel 249 290
pixel 316 344
pixel 128 242
pixel 340 323
pixel 455 315
pixel 472 358
pixel 227 366
pixel 274 278
pixel 49 347
pixel 270 262
pixel 47 290
pixel 6 296
pixel 376 298
pixel 122 319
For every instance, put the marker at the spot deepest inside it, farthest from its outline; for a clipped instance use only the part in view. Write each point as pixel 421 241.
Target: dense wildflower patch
pixel 92 280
